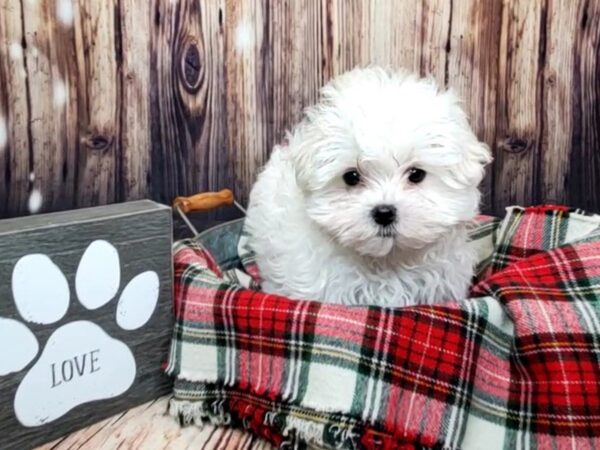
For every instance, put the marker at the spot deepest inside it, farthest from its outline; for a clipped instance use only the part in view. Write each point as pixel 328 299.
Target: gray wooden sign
pixel 85 317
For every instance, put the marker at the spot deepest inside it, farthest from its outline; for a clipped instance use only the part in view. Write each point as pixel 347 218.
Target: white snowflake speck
pixel 60 93
pixel 32 176
pixel 64 12
pixel 244 36
pixel 15 51
pixel 34 204
pixel 3 133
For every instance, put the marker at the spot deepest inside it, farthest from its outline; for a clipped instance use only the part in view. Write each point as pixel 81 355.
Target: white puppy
pixel 369 199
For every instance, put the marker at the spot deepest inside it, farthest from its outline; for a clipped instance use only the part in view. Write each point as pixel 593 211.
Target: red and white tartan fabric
pixel 517 365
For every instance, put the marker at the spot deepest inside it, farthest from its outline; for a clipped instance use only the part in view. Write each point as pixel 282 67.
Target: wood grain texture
pixel 15 160
pixel 135 118
pixel 558 96
pixel 472 69
pixel 248 85
pixel 434 27
pixel 163 98
pixel 583 178
pixel 141 233
pixel 51 72
pixel 99 55
pixel 189 149
pixel 148 427
pixel 520 93
pixel 297 61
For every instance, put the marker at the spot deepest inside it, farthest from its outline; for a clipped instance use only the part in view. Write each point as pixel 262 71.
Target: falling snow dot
pixel 64 12
pixel 3 133
pixel 244 37
pixel 32 176
pixel 15 51
pixel 60 93
pixel 35 201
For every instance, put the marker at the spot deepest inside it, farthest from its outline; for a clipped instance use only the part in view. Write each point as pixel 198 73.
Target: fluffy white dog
pixel 369 199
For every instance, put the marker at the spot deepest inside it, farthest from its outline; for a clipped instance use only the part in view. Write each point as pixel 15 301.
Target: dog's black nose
pixel 384 214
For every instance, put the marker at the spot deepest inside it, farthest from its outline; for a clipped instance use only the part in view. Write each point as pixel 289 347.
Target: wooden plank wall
pixel 115 100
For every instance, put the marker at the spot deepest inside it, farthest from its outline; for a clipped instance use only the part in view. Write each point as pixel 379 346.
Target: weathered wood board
pixel 85 317
pixel 159 98
pixel 149 427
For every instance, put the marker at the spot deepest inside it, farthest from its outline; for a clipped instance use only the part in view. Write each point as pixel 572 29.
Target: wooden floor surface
pixel 147 427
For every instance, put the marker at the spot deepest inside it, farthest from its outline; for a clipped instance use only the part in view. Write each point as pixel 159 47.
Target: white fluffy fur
pixel 314 236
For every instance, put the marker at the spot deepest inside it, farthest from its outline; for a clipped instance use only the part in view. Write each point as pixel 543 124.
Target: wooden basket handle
pixel 204 201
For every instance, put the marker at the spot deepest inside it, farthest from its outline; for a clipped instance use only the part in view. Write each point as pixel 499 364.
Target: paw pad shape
pixel 80 362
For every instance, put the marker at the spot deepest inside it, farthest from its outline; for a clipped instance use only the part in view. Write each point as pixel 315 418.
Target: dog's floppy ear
pixel 474 155
pixel 310 156
pixel 302 157
pixel 477 156
pixel 314 142
pixel 303 173
pixel 469 168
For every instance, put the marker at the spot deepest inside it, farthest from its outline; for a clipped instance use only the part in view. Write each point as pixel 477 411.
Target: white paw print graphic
pixel 80 362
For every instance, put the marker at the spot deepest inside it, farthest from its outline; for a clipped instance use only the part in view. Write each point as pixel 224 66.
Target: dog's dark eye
pixel 352 177
pixel 416 175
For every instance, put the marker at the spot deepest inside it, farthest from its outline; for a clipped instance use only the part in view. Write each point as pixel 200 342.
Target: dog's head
pixel 387 160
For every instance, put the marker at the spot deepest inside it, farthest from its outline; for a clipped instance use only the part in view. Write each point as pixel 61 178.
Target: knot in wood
pixel 97 142
pixel 190 67
pixel 514 145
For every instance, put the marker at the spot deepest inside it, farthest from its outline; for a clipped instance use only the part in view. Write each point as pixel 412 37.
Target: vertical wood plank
pixel 410 35
pixel 519 96
pixel 189 121
pixel 382 32
pixel 347 49
pixel 170 149
pixel 558 102
pixel 434 39
pixel 99 53
pixel 65 114
pixel 135 134
pixel 248 82
pixel 213 146
pixel 52 123
pixel 14 113
pixel 583 180
pixel 472 68
pixel 4 149
pixel 295 30
pixel 569 164
pixel 394 38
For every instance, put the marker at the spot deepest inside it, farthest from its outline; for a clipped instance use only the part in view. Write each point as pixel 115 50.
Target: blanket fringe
pixel 202 412
pixel 199 412
pixel 305 431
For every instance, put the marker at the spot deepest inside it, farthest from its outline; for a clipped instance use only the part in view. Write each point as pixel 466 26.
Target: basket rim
pixel 206 232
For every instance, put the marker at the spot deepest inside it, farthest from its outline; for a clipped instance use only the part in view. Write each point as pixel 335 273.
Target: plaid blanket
pixel 517 365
